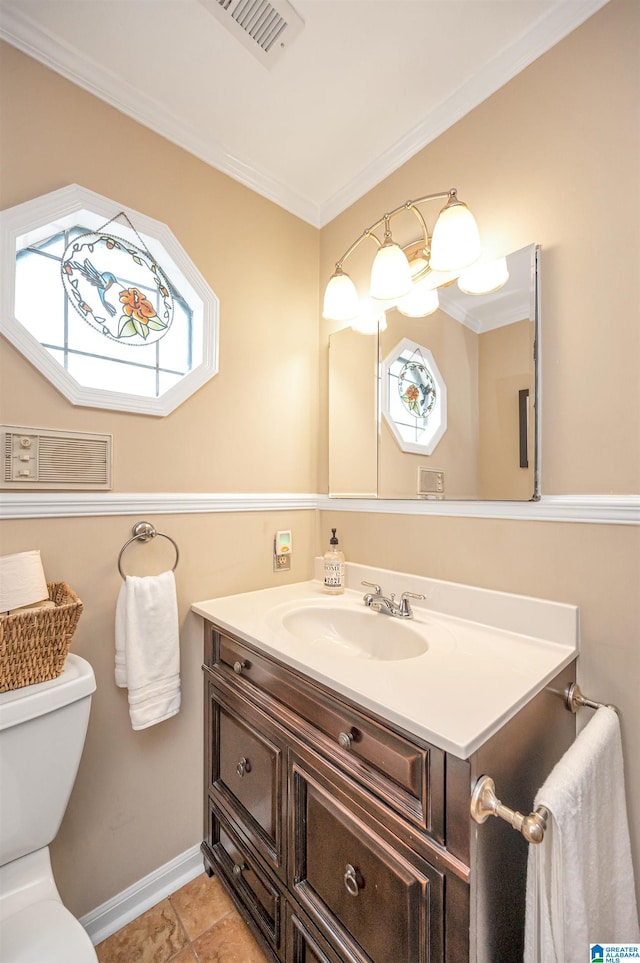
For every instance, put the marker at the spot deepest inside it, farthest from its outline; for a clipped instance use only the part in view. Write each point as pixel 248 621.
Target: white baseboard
pixel 131 902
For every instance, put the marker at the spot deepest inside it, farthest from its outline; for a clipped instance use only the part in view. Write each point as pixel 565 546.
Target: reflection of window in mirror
pixel 111 311
pixel 414 401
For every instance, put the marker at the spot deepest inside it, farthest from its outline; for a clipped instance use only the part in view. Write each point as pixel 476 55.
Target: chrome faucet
pixel 378 601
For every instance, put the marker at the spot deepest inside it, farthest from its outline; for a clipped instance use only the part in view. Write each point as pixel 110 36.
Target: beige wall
pixel 504 371
pixel 552 158
pixel 353 406
pixel 137 802
pixel 222 438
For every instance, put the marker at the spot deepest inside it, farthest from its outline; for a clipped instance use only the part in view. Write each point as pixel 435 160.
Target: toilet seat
pixel 45 930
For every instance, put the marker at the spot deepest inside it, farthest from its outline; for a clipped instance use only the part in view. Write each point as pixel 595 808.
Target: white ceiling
pixel 364 86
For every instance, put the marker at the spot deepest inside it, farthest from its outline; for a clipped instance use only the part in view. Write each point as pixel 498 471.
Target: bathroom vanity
pixel 341 749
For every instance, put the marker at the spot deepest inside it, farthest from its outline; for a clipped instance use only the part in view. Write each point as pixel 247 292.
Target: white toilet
pixel 42 733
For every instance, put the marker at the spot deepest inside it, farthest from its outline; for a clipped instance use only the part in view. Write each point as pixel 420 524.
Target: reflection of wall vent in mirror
pixel 265 27
pixel 42 458
pixel 430 483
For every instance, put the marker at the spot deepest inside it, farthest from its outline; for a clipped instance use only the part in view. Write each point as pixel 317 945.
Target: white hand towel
pixel 148 648
pixel 580 885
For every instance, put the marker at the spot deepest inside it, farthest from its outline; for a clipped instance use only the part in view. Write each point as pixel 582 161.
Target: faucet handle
pixel 405 607
pixel 373 586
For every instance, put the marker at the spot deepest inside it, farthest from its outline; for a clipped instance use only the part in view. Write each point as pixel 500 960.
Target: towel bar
pixel 575 700
pixel 485 803
pixel 142 532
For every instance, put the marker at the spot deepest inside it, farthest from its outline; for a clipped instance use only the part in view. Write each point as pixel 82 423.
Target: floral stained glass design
pixel 417 389
pixel 117 288
pixel 414 397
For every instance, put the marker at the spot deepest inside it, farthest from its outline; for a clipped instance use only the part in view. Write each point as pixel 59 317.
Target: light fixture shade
pixel 439 279
pixel 419 302
pixel 390 273
pixel 341 302
pixel 371 318
pixel 485 277
pixel 455 244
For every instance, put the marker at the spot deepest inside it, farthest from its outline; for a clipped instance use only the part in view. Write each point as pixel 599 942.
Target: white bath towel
pixel 148 648
pixel 580 885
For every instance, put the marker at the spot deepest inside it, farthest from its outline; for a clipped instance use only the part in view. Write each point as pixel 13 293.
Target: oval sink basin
pixel 355 633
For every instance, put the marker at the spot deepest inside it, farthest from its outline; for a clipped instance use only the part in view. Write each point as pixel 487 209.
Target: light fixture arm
pixel 408 205
pixel 397 272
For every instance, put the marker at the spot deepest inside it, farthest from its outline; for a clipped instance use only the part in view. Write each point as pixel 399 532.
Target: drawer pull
pixel 239 868
pixel 345 739
pixel 243 766
pixel 239 666
pixel 351 881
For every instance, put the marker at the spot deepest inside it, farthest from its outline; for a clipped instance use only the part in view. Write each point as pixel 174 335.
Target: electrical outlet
pixel 281 563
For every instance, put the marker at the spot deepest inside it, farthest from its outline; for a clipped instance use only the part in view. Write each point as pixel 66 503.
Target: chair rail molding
pixel 601 509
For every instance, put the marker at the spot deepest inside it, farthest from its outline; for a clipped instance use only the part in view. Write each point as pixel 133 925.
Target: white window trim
pixel 16 221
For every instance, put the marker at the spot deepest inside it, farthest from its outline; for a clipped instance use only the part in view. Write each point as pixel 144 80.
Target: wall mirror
pixel 485 351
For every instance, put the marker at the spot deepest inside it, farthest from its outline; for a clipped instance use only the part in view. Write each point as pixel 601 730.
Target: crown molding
pixel 602 509
pixel 560 20
pixel 20 30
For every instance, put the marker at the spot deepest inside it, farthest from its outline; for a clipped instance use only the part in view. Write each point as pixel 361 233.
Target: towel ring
pixel 142 532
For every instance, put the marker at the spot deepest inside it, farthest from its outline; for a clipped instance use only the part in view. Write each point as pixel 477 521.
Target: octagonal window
pixel 106 303
pixel 414 397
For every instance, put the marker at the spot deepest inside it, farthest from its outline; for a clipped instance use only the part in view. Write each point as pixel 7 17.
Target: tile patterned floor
pixel 196 924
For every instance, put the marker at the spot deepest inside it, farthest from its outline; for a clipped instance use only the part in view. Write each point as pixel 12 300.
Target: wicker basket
pixel 34 645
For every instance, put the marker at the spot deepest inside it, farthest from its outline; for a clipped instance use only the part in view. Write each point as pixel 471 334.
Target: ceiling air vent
pixel 41 458
pixel 265 28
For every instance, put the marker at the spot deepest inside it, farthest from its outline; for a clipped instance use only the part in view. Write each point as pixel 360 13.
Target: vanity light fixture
pixel 396 274
pixel 371 318
pixel 485 277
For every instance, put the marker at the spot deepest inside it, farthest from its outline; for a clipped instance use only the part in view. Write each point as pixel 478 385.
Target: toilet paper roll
pixel 22 580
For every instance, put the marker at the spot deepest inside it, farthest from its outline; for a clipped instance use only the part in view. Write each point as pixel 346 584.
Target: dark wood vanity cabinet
pixel 344 840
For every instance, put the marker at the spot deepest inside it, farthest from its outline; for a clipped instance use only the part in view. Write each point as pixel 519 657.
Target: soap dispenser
pixel 333 567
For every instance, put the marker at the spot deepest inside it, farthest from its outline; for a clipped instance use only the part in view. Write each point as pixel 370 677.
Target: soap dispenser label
pixel 334 574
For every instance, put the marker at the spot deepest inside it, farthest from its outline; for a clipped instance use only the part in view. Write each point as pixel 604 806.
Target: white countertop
pixel 473 678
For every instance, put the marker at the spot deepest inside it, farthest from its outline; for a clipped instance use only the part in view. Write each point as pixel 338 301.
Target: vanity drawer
pixel 246 772
pixel 362 888
pixel 247 882
pixel 405 773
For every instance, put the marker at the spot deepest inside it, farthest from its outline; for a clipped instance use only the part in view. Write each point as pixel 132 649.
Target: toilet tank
pixel 42 733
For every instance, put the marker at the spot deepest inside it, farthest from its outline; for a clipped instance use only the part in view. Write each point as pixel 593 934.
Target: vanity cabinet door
pixel 375 899
pixel 304 943
pixel 246 773
pixel 249 885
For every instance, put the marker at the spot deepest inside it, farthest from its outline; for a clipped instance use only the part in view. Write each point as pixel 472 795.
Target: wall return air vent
pixel 265 28
pixel 41 458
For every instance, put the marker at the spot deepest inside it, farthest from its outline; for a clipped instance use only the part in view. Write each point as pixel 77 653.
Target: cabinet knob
pixel 239 666
pixel 243 766
pixel 351 881
pixel 345 739
pixel 239 868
